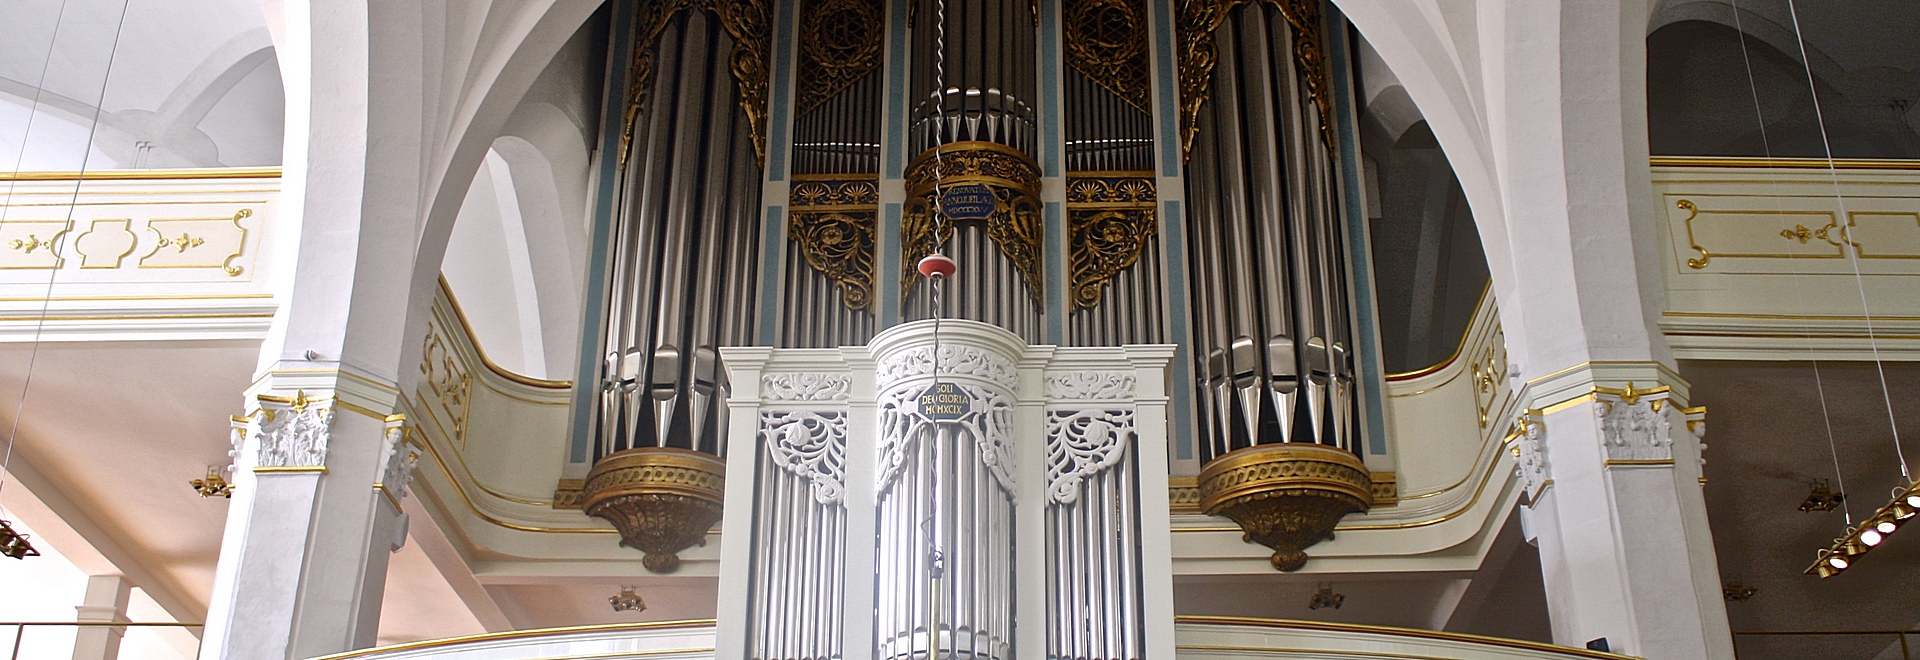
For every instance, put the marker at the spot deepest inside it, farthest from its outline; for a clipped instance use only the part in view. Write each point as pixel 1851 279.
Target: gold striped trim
pixel 147 175
pixel 1785 163
pixel 1328 626
pixel 285 469
pixel 523 634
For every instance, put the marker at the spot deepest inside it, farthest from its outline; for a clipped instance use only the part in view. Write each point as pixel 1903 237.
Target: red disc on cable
pixel 938 266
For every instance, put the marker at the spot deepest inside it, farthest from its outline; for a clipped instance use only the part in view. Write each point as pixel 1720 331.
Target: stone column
pixel 318 480
pixel 106 600
pixel 1614 502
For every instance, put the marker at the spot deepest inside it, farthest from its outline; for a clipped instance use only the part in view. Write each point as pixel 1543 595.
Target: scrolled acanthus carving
pixel 1082 443
pixel 803 387
pixel 293 432
pixel 1090 385
pixel 1634 427
pixel 988 422
pixel 954 360
pixel 833 222
pixel 811 445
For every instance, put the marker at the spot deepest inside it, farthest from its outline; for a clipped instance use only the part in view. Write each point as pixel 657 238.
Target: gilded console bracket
pixel 662 500
pixel 1286 496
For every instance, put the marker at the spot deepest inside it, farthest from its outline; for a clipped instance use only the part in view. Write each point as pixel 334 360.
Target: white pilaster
pixel 105 601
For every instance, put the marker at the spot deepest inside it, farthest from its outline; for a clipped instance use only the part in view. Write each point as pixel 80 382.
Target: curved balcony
pixel 1198 638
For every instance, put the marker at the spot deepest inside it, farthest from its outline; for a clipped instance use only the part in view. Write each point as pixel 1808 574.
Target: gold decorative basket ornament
pixel 1286 496
pixel 663 500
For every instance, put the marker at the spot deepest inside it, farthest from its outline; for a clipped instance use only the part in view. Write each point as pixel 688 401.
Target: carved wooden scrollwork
pixel 1014 225
pixel 1106 40
pixel 1199 18
pixel 840 43
pixel 1110 218
pixel 833 221
pixel 750 25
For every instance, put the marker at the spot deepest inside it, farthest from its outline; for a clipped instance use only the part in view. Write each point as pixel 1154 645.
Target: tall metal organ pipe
pixel 978 116
pixel 682 260
pixel 1272 328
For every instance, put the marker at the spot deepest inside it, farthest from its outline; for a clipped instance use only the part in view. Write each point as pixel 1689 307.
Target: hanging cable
pixel 1806 326
pixel 1853 255
pixel 86 161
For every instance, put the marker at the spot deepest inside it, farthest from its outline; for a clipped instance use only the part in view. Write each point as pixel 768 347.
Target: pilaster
pixel 105 601
pixel 319 477
pixel 1614 501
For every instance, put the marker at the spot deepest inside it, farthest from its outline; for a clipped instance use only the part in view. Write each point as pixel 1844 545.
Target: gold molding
pixel 834 222
pixel 523 634
pixel 1629 462
pixel 147 175
pixel 1329 626
pixel 286 469
pixel 467 328
pixel 1014 226
pixel 1784 163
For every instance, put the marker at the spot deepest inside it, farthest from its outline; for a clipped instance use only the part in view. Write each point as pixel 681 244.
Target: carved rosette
pixel 1015 224
pixel 663 500
pixel 832 222
pixel 1286 496
pixel 1110 218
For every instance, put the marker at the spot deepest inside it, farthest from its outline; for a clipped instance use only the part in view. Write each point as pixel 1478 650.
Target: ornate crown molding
pixel 1090 385
pixel 956 360
pixel 292 432
pixel 803 387
pixel 1634 427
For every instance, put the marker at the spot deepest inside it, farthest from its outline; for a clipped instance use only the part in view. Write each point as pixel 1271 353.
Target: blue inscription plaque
pixel 969 202
pixel 945 402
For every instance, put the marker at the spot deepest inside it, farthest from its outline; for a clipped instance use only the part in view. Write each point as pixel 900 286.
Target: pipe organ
pixel 998 484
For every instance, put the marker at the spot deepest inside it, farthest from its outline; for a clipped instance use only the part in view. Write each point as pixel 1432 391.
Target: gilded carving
pixel 447 377
pixel 840 43
pixel 1489 369
pixel 185 242
pixel 1286 496
pixel 1197 57
pixel 1015 225
pixel 746 21
pixel 1110 218
pixel 833 221
pixel 32 243
pixel 1106 40
pixel 661 500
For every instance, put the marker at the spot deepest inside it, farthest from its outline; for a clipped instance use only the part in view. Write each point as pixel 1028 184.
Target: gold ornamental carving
pixel 662 500
pixel 1110 219
pixel 1014 225
pixel 840 43
pixel 833 220
pixel 748 22
pixel 1286 496
pixel 1106 40
pixel 1197 57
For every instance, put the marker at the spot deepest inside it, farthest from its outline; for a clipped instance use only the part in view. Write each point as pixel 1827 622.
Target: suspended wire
pixel 1819 384
pixel 1853 255
pixel 86 160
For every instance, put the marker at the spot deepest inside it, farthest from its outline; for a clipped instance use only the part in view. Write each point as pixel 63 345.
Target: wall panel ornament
pixel 293 431
pixel 750 25
pixel 1014 224
pixel 1107 41
pixel 832 219
pixel 840 43
pixel 1111 219
pixel 1197 57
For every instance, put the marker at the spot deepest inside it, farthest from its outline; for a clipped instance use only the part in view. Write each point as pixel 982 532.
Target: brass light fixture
pixel 627 601
pixel 1869 534
pixel 1286 496
pixel 213 484
pixel 661 499
pixel 1822 498
pixel 1326 598
pixel 14 544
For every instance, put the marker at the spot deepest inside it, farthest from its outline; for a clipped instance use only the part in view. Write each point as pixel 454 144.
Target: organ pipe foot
pixel 662 500
pixel 1286 496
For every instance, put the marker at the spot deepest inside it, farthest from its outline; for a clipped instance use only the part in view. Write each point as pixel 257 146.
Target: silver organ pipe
pixel 683 266
pixel 1272 326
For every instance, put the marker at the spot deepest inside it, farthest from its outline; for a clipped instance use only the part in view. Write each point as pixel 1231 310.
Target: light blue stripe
pixel 1163 69
pixel 593 319
pixel 777 101
pixel 1057 307
pixel 1359 254
pixel 896 112
pixel 1174 230
pixel 887 271
pixel 772 270
pixel 1050 141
